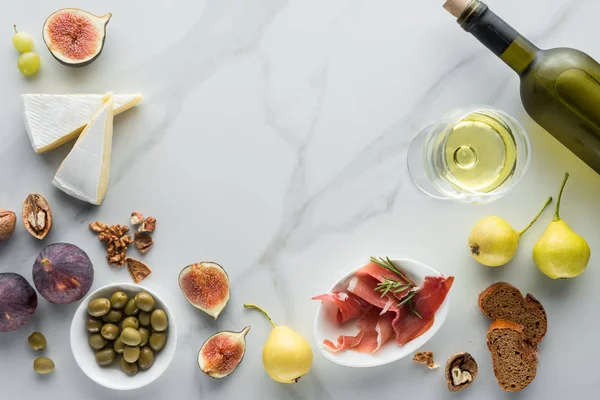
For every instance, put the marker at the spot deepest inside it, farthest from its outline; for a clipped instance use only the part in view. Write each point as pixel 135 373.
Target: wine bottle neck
pixel 504 41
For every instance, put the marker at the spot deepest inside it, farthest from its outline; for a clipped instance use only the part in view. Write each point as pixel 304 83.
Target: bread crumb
pixel 426 358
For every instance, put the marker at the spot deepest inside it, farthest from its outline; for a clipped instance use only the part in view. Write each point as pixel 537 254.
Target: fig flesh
pixel 75 37
pixel 18 301
pixel 220 355
pixel 206 286
pixel 63 273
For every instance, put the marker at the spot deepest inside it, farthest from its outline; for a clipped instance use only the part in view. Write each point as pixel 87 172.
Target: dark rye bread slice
pixel 514 360
pixel 504 301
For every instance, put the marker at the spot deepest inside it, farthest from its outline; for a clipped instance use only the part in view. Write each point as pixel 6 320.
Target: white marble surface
pixel 273 140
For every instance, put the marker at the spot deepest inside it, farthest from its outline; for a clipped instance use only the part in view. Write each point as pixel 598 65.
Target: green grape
pixel 22 41
pixel 29 63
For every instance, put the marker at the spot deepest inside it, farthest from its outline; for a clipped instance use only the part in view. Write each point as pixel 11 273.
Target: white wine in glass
pixel 473 155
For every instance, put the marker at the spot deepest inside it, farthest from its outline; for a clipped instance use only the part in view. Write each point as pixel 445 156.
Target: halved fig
pixel 206 286
pixel 222 353
pixel 75 37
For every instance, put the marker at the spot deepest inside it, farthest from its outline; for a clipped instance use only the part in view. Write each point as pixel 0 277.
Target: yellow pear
pixel 561 253
pixel 493 241
pixel 287 356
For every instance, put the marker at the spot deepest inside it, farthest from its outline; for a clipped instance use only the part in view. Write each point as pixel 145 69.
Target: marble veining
pixel 273 140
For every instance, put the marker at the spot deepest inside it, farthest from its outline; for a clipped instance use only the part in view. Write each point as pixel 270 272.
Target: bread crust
pixel 529 352
pixel 529 301
pixel 487 292
pixel 504 324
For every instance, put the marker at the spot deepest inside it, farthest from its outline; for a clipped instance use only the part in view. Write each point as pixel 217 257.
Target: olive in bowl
pixel 126 353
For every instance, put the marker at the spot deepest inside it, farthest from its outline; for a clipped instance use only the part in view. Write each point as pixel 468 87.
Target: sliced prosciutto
pixel 378 272
pixel 364 287
pixel 375 331
pixel 343 343
pixel 349 306
pixel 426 302
pixel 403 314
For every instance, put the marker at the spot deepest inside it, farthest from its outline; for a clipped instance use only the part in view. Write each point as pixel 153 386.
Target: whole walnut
pixel 8 221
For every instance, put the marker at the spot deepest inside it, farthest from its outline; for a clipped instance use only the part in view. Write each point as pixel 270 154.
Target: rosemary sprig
pixel 391 285
pixel 407 298
pixel 389 265
pixel 412 310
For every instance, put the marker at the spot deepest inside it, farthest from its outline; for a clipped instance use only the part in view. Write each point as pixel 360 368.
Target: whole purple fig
pixel 63 273
pixel 18 301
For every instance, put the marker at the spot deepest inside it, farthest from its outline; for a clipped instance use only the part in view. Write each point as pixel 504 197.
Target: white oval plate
pixel 112 376
pixel 326 326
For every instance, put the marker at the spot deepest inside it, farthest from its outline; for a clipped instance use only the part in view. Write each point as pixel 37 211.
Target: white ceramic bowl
pixel 326 327
pixel 112 376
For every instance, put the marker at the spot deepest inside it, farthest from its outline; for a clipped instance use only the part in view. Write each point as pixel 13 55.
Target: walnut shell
pixel 8 222
pixel 148 226
pixel 37 216
pixel 137 269
pixel 465 363
pixel 143 242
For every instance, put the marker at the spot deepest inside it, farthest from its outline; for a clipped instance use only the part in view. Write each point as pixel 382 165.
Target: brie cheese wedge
pixel 54 119
pixel 84 172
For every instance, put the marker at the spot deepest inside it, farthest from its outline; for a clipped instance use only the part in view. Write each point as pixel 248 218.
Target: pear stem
pixel 248 305
pixel 556 213
pixel 14 26
pixel 548 201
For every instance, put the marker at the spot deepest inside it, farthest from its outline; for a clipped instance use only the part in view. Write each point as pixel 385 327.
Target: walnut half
pixel 461 371
pixel 37 216
pixel 115 239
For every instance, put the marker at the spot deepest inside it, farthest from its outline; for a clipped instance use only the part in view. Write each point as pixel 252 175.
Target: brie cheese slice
pixel 84 172
pixel 54 119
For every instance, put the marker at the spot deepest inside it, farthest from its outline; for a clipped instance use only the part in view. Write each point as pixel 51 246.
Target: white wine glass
pixel 471 155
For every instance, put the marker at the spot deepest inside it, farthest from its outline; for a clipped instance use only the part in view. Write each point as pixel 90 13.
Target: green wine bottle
pixel 560 88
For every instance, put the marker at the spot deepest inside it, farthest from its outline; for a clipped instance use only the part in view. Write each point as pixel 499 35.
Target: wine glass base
pixel 416 166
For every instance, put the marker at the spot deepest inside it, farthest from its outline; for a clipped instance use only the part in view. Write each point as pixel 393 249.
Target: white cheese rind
pixel 84 173
pixel 54 119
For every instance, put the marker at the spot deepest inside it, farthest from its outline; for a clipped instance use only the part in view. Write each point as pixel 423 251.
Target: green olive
pixel 131 308
pixel 110 331
pixel 157 341
pixel 118 345
pixel 158 320
pixel 119 299
pixel 37 341
pixel 93 325
pixel 128 368
pixel 131 337
pixel 130 322
pixel 97 341
pixel 105 356
pixel 99 307
pixel 144 301
pixel 113 316
pixel 146 358
pixel 145 333
pixel 131 353
pixel 43 365
pixel 144 318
